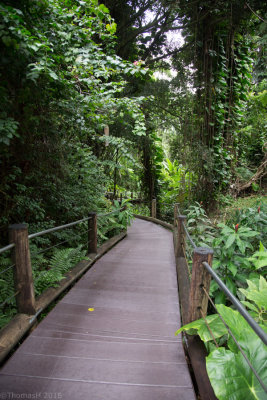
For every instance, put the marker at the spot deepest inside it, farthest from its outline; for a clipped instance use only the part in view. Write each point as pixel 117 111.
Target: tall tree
pixel 60 80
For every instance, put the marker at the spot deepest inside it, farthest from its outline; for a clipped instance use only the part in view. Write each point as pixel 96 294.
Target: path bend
pixel 112 337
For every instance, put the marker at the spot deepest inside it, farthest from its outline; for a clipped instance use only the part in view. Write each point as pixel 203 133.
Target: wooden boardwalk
pixel 112 337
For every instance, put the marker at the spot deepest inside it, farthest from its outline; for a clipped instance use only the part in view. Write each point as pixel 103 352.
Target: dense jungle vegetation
pixel 150 99
pixel 71 68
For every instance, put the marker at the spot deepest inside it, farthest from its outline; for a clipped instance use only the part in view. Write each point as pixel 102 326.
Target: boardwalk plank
pixel 125 348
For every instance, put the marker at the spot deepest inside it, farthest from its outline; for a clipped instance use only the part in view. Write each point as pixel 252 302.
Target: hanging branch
pixel 261 172
pixel 260 18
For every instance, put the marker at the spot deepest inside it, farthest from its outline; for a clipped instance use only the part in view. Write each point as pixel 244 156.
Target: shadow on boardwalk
pixel 112 336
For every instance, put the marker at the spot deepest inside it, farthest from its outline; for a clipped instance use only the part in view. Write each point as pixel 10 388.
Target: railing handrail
pixel 57 228
pixel 198 300
pixel 240 308
pixel 189 236
pixel 8 247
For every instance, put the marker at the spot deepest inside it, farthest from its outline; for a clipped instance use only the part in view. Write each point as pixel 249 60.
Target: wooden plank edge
pixel 183 282
pixel 16 329
pixel 194 347
pixel 155 220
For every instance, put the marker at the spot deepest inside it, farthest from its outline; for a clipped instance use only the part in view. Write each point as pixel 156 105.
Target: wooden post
pixel 23 280
pixel 200 279
pixel 180 236
pixel 106 133
pixel 92 233
pixel 176 213
pixel 154 208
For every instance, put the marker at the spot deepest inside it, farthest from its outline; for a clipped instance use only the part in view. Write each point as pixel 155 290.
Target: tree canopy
pixel 186 115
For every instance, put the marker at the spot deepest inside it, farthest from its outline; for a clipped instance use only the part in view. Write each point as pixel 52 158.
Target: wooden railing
pixel 28 306
pixel 193 290
pixel 195 299
pixel 194 296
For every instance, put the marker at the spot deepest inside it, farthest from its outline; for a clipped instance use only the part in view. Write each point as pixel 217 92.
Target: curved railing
pixel 202 286
pixel 196 285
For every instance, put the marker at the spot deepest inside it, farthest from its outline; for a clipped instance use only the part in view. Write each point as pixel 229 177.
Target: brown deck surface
pixel 125 349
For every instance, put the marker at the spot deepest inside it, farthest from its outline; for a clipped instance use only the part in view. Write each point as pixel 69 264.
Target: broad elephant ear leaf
pixel 231 377
pixel 245 335
pixel 199 327
pixel 229 373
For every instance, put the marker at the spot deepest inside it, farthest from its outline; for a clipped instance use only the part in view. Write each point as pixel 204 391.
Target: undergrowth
pixel 53 255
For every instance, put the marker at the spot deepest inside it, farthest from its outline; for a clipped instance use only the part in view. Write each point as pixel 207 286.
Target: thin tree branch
pixel 157 36
pixel 260 18
pixel 140 30
pixel 140 12
pixel 170 53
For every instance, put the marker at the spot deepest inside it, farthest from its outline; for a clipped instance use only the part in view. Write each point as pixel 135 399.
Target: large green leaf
pixel 259 258
pixel 257 292
pixel 245 335
pixel 200 328
pixel 231 377
pixel 229 373
pixel 230 240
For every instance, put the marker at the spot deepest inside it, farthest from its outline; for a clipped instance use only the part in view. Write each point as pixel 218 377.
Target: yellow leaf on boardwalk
pixel 91 309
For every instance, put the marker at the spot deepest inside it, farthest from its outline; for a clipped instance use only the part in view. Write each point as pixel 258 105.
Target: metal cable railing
pixel 188 236
pixel 60 243
pixel 9 298
pixel 81 233
pixel 57 228
pixel 7 269
pixel 240 308
pixel 50 230
pixel 258 330
pixel 262 337
pixel 6 248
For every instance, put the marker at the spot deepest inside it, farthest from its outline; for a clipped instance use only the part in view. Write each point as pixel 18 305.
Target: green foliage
pixel 199 327
pixel 177 182
pixel 141 209
pixel 114 222
pixel 199 227
pixel 125 209
pixel 259 259
pixel 223 41
pixel 252 217
pixel 7 300
pixel 253 129
pixel 226 364
pixel 176 186
pixel 256 298
pixel 235 239
pixel 235 248
pixel 61 83
pixel 230 364
pixel 232 247
pixel 61 261
pixel 48 270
